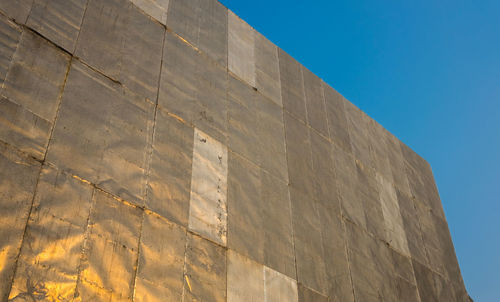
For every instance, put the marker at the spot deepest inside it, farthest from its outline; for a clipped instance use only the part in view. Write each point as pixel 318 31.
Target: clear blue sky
pixel 429 72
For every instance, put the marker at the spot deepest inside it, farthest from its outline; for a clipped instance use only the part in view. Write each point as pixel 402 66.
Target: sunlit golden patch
pixel 82 180
pixel 58 291
pixel 3 258
pixel 180 119
pixel 188 283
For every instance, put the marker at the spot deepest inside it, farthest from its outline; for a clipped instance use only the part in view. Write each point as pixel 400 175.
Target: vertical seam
pixel 19 38
pixel 311 161
pixel 29 13
pixel 343 224
pixel 348 126
pixel 85 243
pixel 424 245
pixel 198 26
pixel 35 191
pixel 348 255
pixel 253 58
pixel 136 264
pixel 148 160
pixel 288 182
pixel 302 83
pixel 315 204
pixel 326 112
pixel 60 99
pixel 184 266
pixel 80 27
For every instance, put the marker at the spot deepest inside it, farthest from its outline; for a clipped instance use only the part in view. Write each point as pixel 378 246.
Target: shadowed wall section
pixel 163 150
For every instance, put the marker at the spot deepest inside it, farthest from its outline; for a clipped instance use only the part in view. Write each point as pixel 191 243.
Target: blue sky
pixel 429 72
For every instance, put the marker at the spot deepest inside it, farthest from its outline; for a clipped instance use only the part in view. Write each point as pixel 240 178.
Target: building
pixel 156 150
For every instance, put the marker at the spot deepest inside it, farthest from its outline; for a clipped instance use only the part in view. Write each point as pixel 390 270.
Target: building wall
pixel 163 150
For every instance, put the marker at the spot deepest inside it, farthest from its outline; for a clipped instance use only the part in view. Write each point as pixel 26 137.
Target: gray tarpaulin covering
pixel 163 150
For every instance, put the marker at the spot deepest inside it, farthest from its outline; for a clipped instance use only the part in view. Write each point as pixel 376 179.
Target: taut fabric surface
pixel 163 150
